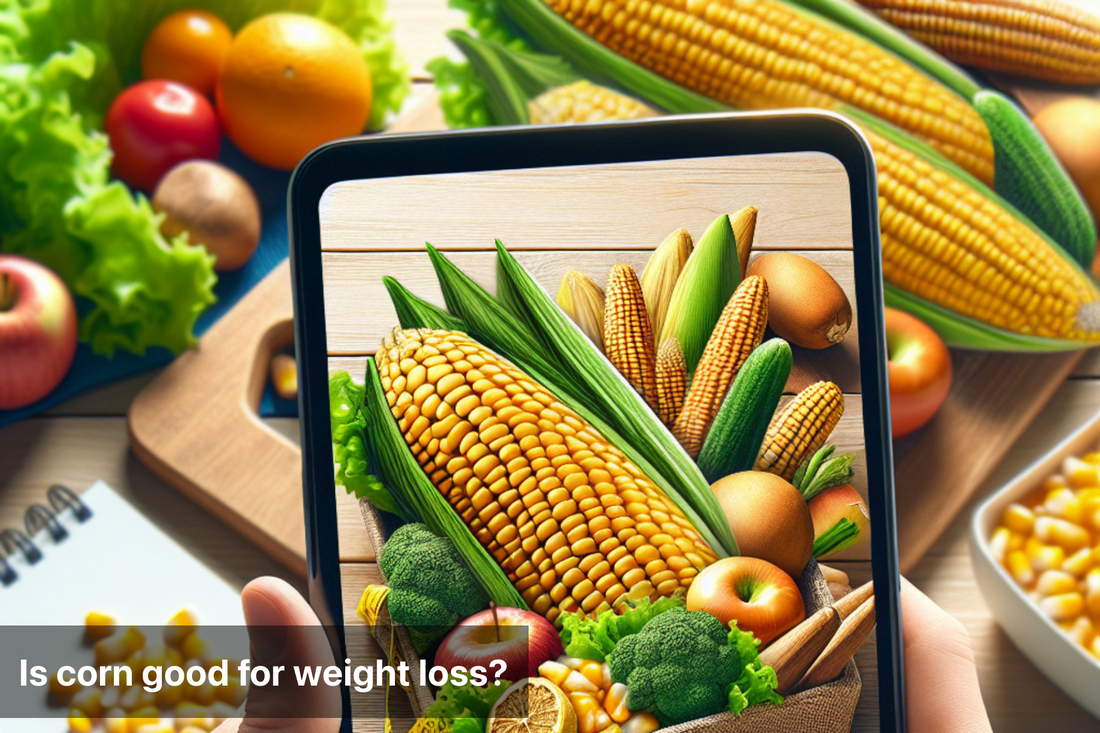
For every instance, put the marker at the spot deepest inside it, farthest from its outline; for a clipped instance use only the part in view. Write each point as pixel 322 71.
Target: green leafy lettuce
pixel 349 443
pixel 62 62
pixel 757 682
pixel 466 706
pixel 590 638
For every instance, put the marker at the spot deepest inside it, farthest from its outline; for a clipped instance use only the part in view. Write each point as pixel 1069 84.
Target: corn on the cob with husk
pixel 660 274
pixel 800 428
pixel 768 54
pixel 1043 39
pixel 566 515
pixel 628 337
pixel 672 381
pixel 744 231
pixel 583 301
pixel 739 330
pixel 583 101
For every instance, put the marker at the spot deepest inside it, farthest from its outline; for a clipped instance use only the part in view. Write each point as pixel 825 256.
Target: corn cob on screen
pixel 614 391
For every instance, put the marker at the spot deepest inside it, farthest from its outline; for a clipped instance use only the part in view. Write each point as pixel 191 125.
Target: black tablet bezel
pixel 665 138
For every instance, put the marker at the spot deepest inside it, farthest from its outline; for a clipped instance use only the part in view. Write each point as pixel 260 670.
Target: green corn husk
pixel 1029 175
pixel 403 475
pixel 704 286
pixel 660 275
pixel 414 312
pixel 738 431
pixel 614 398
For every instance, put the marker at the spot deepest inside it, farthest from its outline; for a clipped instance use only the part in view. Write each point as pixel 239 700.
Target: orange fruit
pixel 187 47
pixel 290 83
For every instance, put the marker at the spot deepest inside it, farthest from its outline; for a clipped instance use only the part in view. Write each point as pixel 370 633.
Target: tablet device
pixel 593 394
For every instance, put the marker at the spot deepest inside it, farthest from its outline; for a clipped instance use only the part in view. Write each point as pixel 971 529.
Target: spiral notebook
pixel 94 551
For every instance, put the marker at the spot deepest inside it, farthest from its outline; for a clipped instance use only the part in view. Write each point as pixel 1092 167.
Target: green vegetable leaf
pixel 840 536
pixel 467 706
pixel 757 682
pixel 349 443
pixel 821 471
pixel 594 639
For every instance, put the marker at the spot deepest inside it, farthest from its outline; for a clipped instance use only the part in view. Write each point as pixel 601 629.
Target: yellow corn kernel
pixel 88 702
pixel 118 646
pixel 1082 631
pixel 179 627
pixel 556 672
pixel 1065 534
pixel 148 715
pixel 1019 519
pixel 1019 567
pixel 232 692
pixel 739 330
pixel 628 335
pixel 998 543
pixel 577 682
pixel 571 662
pixel 615 703
pixel 593 672
pixel 1055 582
pixel 641 723
pixel 583 301
pixel 591 717
pixel 132 699
pixel 114 721
pixel 799 428
pixel 583 101
pixel 284 376
pixel 1079 563
pixel 195 647
pixel 1064 607
pixel 193 729
pixel 1079 474
pixel 157 727
pixel 1092 457
pixel 1053 483
pixel 672 380
pixel 1063 503
pixel 79 722
pixel 56 688
pixel 1092 592
pixel 98 626
pixel 1042 556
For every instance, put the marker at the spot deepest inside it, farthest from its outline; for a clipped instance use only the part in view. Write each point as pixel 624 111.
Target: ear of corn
pixel 739 330
pixel 562 511
pixel 704 287
pixel 620 405
pixel 582 300
pixel 628 337
pixel 709 46
pixel 583 101
pixel 660 274
pixel 672 380
pixel 800 428
pixel 404 475
pixel 744 231
pixel 414 312
pixel 1030 176
pixel 734 439
pixel 956 253
pixel 1035 38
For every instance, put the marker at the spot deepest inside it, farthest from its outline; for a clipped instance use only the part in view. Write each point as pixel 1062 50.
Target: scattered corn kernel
pixel 1080 474
pixel 998 545
pixel 577 682
pixel 1079 563
pixel 118 646
pixel 98 626
pixel 1056 582
pixel 556 672
pixel 641 723
pixel 1066 534
pixel 1042 556
pixel 115 721
pixel 195 647
pixel 1064 503
pixel 1019 566
pixel 284 376
pixel 88 702
pixel 615 703
pixel 1064 607
pixel 593 672
pixel 59 689
pixel 79 722
pixel 1018 518
pixel 179 627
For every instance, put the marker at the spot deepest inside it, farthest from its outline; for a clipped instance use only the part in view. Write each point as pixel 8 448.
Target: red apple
pixel 920 371
pixel 837 503
pixel 759 596
pixel 37 331
pixel 521 639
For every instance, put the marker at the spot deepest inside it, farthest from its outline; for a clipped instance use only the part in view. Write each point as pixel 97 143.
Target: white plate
pixel 1058 656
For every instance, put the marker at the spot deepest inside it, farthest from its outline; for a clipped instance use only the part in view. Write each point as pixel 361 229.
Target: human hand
pixel 941 682
pixel 272 610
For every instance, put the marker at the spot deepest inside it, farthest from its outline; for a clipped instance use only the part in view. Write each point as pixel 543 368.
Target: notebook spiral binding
pixel 37 518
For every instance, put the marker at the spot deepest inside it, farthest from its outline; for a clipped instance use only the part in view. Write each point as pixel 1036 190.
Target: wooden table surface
pixel 84 439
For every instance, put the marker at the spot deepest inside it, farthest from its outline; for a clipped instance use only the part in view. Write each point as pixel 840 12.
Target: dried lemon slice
pixel 532 705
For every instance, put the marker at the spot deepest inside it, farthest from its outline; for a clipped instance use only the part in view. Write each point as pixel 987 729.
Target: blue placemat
pixel 91 370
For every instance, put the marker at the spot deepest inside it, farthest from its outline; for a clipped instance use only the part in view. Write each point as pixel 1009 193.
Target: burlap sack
pixel 828 708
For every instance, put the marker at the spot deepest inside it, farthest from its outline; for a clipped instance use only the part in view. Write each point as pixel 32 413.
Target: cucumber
pixel 738 429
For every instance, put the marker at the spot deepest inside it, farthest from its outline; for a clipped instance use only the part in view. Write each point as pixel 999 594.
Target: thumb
pixel 284 631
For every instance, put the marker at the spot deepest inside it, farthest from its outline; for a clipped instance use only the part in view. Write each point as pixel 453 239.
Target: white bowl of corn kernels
pixel 1036 550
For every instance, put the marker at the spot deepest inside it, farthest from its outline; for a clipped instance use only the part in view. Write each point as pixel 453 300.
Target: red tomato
pixel 920 371
pixel 154 125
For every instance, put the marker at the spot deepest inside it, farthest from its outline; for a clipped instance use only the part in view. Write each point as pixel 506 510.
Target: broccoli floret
pixel 679 666
pixel 431 589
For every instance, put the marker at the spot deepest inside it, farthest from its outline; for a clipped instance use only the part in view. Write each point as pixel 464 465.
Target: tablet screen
pixel 624 399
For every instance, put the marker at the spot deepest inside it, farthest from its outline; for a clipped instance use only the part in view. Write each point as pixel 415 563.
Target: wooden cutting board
pixel 196 425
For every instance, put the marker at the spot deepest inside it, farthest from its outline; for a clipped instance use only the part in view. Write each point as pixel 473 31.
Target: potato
pixel 806 306
pixel 215 206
